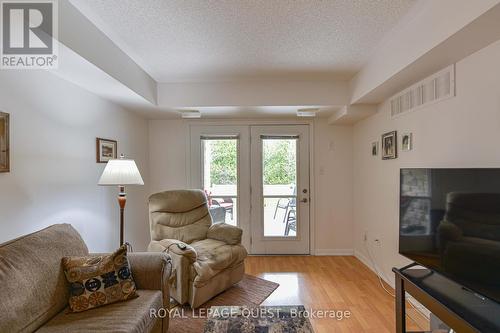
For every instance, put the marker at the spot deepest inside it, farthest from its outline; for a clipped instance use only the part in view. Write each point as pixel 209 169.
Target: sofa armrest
pixel 150 270
pixel 182 262
pixel 226 233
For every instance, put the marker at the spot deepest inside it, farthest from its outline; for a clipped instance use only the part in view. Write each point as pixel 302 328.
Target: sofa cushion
pixel 97 280
pixel 33 287
pixel 121 317
pixel 213 257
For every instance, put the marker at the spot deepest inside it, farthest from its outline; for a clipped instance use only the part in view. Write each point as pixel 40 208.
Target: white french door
pixel 280 189
pixel 220 166
pixel 256 177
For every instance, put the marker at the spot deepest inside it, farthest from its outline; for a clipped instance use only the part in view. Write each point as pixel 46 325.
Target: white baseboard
pixel 361 257
pixel 334 252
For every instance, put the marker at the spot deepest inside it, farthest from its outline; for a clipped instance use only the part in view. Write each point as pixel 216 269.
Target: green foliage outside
pixel 224 162
pixel 279 162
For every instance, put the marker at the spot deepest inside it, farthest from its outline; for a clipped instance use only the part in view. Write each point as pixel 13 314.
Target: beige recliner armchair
pixel 207 258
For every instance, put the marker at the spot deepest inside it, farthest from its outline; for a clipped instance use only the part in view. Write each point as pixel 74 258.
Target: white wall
pixel 333 186
pixel 168 146
pixel 256 93
pixel 54 174
pixel 168 143
pixel 463 131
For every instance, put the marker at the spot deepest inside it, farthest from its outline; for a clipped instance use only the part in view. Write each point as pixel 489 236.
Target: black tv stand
pixel 460 308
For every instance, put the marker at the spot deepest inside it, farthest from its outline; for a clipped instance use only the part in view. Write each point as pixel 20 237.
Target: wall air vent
pixel 435 88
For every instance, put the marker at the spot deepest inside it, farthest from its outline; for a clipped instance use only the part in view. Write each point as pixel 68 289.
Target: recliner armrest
pixel 449 231
pixel 171 247
pixel 226 233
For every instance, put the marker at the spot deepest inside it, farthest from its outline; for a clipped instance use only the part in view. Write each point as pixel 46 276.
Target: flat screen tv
pixel 449 222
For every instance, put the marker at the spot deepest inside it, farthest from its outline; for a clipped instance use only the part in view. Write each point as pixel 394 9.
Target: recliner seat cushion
pixel 122 317
pixel 213 257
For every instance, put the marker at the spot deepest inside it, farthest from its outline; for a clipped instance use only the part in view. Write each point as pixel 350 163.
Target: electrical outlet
pixel 377 241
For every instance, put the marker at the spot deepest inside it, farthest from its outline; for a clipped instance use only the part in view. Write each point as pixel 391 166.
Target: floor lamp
pixel 121 172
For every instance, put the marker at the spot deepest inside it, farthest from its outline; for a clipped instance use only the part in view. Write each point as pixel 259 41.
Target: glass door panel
pixel 220 177
pixel 279 183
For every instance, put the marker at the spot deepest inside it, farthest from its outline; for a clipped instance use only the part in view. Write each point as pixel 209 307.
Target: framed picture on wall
pixel 374 148
pixel 4 142
pixel 390 145
pixel 106 150
pixel 406 142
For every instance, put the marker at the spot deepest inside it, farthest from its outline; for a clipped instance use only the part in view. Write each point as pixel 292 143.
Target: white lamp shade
pixel 121 172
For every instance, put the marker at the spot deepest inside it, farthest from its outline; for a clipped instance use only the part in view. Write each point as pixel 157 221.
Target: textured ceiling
pixel 228 40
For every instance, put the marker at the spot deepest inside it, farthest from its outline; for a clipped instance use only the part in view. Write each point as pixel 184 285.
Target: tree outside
pixel 223 169
pixel 279 162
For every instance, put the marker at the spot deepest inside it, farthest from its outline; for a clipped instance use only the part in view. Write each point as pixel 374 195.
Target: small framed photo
pixel 390 145
pixel 106 150
pixel 406 142
pixel 4 142
pixel 374 148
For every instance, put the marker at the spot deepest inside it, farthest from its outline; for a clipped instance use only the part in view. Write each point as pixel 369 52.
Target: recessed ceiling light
pixel 190 114
pixel 307 112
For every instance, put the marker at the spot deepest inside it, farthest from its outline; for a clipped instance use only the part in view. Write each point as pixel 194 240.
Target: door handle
pixel 304 200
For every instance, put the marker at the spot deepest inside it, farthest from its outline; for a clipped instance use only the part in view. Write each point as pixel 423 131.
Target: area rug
pixel 249 292
pixel 264 319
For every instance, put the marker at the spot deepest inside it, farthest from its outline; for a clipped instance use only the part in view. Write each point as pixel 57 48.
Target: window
pixel 220 177
pixel 279 183
pixel 415 202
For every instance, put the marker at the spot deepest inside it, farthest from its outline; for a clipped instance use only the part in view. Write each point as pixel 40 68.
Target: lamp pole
pixel 122 199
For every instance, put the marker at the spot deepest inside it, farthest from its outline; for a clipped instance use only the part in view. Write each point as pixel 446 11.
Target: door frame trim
pixel 250 122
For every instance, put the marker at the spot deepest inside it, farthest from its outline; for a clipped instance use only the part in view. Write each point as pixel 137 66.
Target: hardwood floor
pixel 340 283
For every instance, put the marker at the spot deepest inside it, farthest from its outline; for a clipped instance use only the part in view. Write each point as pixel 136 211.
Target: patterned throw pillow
pixel 99 280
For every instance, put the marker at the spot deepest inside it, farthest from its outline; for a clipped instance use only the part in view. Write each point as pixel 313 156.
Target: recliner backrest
pixel 179 214
pixel 477 214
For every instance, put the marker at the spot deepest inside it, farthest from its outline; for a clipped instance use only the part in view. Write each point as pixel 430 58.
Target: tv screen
pixel 450 222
